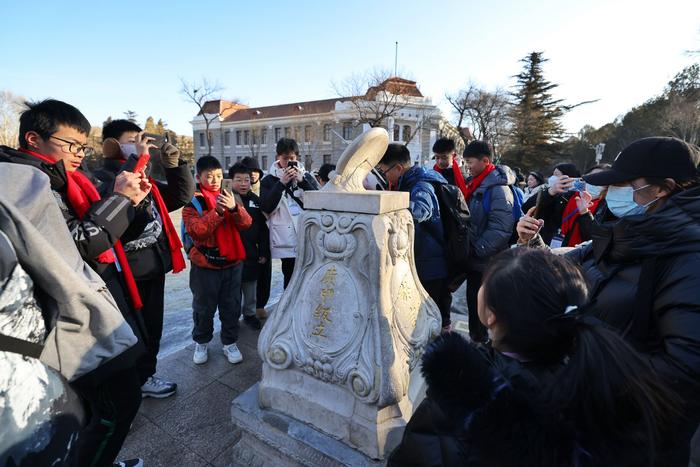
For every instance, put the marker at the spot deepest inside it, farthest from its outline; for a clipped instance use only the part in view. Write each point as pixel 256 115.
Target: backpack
pixel 518 197
pixel 187 241
pixel 454 213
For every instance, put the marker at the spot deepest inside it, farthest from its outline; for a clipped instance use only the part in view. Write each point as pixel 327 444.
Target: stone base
pixel 270 438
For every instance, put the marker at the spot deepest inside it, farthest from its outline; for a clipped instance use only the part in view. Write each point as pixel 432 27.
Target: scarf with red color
pixel 228 239
pixel 81 194
pixel 174 242
pixel 476 181
pixel 459 179
pixel 570 224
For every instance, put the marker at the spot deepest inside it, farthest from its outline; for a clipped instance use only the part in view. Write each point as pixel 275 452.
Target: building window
pixel 278 134
pixel 326 158
pixel 239 159
pixel 211 139
pixel 326 132
pixel 308 162
pixel 238 138
pixel 227 138
pixel 246 137
pixel 201 140
pixel 287 132
pixel 264 160
pixel 263 136
pixel 255 136
pixel 307 134
pixel 397 132
pixel 228 162
pixel 406 133
pixel 347 131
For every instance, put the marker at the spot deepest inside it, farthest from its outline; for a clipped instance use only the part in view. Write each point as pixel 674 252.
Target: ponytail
pixel 612 393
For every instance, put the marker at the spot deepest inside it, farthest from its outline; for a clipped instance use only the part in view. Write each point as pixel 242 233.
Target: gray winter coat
pixel 87 329
pixel 490 232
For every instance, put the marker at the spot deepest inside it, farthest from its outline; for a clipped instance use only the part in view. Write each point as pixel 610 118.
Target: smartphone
pixel 157 139
pixel 578 185
pixel 227 185
pixel 294 164
pixel 142 163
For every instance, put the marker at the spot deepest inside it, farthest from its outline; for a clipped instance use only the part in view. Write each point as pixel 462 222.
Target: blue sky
pixel 107 57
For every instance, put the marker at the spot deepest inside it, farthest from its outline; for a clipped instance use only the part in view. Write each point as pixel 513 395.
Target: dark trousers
pixel 212 288
pixel 287 270
pixel 477 331
pixel 151 292
pixel 110 408
pixel 441 295
pixel 263 284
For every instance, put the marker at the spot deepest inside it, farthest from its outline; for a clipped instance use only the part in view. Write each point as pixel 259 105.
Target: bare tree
pixel 10 108
pixel 376 95
pixel 202 92
pixel 485 113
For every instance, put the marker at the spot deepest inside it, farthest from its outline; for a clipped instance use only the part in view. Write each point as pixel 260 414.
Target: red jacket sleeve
pixel 200 228
pixel 241 219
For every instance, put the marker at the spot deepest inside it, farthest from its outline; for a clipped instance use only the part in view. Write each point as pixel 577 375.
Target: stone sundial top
pixel 361 156
pixel 345 191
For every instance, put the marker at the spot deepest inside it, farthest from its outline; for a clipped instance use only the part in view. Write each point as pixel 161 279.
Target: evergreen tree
pixel 150 126
pixel 160 127
pixel 536 115
pixel 130 115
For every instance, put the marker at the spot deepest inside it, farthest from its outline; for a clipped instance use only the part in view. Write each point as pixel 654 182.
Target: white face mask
pixel 128 149
pixel 594 191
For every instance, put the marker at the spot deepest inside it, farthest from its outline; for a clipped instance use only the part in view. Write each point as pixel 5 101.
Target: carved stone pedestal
pixel 341 352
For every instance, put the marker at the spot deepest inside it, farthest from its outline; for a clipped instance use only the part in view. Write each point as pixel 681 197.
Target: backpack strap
pixel 197 205
pixel 20 346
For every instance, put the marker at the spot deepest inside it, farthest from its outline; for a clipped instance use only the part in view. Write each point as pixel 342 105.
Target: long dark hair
pixel 603 385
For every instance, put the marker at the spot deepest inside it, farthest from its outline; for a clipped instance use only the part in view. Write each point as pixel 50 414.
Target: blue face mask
pixel 595 191
pixel 620 201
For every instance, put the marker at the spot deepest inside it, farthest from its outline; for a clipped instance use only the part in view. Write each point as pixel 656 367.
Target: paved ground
pixel 193 428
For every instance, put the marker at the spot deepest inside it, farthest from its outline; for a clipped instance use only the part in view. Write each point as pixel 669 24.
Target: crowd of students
pixel 581 291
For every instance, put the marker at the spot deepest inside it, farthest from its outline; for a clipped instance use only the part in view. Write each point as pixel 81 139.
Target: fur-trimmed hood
pixel 483 408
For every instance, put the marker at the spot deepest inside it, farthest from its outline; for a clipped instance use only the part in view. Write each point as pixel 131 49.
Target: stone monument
pixel 341 352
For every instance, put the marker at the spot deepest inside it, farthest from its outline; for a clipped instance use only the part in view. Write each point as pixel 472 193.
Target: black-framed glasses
pixel 75 148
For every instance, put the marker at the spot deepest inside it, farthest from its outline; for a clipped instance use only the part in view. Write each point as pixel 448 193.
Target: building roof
pixel 234 112
pixel 397 86
pixel 283 110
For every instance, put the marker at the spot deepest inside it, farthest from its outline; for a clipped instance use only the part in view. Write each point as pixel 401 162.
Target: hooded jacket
pixel 644 274
pixel 490 232
pixel 429 235
pixel 283 206
pixel 87 335
pixel 485 409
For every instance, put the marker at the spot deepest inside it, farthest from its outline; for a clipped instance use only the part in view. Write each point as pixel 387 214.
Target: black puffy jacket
pixel 483 408
pixel 644 273
pixel 256 239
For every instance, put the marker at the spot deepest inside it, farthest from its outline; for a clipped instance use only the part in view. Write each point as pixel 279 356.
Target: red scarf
pixel 476 181
pixel 569 218
pixel 459 179
pixel 174 242
pixel 81 194
pixel 228 239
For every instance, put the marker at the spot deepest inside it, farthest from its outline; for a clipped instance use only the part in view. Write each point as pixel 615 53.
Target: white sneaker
pixel 200 354
pixel 232 353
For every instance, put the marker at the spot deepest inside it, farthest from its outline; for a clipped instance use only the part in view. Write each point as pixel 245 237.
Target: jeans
pixel 441 295
pixel 249 298
pixel 477 331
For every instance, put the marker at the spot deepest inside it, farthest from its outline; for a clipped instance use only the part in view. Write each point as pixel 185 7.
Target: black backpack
pixel 454 212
